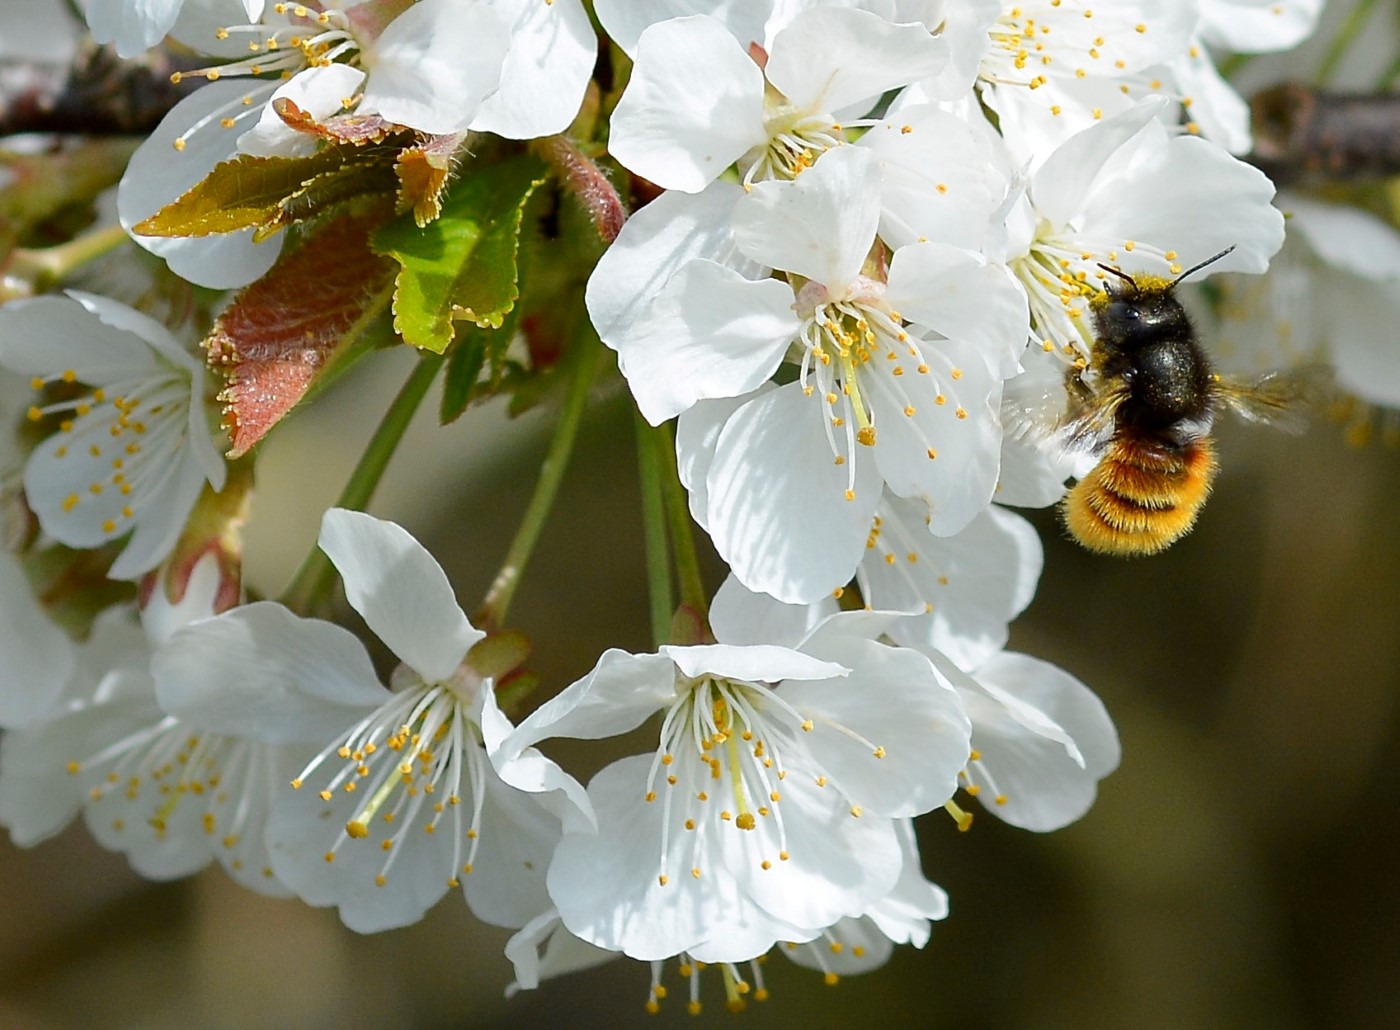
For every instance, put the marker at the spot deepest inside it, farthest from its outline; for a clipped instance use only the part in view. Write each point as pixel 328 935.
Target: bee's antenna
pixel 1207 261
pixel 1121 274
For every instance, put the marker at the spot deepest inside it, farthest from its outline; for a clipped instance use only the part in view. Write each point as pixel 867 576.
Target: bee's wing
pixel 1281 398
pixel 1063 413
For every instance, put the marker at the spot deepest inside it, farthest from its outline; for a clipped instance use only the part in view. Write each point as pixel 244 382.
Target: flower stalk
pixel 492 613
pixel 312 582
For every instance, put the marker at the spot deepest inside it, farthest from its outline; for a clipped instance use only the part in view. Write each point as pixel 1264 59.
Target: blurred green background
pixel 1237 871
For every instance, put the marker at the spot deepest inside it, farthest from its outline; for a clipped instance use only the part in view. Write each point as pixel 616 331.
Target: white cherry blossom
pixel 766 812
pixel 165 792
pixel 1041 739
pixel 1129 194
pixel 134 447
pixel 517 68
pixel 898 380
pixel 697 102
pixel 399 802
pixel 1050 68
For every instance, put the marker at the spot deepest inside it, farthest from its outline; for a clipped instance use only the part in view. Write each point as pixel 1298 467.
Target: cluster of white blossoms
pixel 873 230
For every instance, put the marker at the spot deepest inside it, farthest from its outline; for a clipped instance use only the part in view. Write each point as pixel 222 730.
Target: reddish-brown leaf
pixel 286 329
pixel 354 129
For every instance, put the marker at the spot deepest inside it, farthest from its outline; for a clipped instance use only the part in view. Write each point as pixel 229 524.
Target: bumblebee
pixel 1144 406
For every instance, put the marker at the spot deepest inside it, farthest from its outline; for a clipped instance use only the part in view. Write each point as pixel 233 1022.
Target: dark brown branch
pixel 99 95
pixel 1307 135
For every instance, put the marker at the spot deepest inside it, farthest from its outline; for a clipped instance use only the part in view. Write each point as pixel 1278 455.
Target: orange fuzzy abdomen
pixel 1141 497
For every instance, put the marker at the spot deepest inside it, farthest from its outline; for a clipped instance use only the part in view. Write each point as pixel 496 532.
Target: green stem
pixel 650 464
pixel 1341 42
pixel 492 614
pixel 313 580
pixel 682 528
pixel 46 266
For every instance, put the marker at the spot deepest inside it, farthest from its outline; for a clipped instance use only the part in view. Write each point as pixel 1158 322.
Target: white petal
pixel 547 68
pixel 127 319
pixel 1257 26
pixel 711 333
pixel 514 846
pixel 940 178
pixel 1346 237
pixel 48 335
pixel 401 591
pixel 970 585
pixel 563 953
pixel 38 796
pixel 301 831
pixel 654 244
pixel 1216 106
pixel 626 20
pixel 909 735
pixel 619 694
pixel 158 174
pixel 738 615
pixel 606 887
pixel 966 28
pixel 1031 477
pixel 903 915
pixel 840 859
pixel 962 297
pixel 133 25
pixel 945 453
pixel 1061 186
pixel 160 521
pixel 848 947
pixel 778 511
pixel 830 58
pixel 39 657
pixel 1047 783
pixel 693 106
pixel 526 769
pixel 259 671
pixel 820 225
pixel 697 432
pixel 434 64
pixel 1186 194
pixel 757 663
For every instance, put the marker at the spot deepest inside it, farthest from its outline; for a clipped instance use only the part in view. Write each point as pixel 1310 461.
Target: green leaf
pixel 463 265
pixel 475 349
pixel 267 193
pixel 464 365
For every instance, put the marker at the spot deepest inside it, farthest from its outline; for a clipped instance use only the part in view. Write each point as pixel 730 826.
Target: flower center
pixel 182 780
pixel 308 39
pixel 1062 274
pixel 856 354
pixel 726 747
pixel 129 434
pixel 412 759
pixel 796 138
